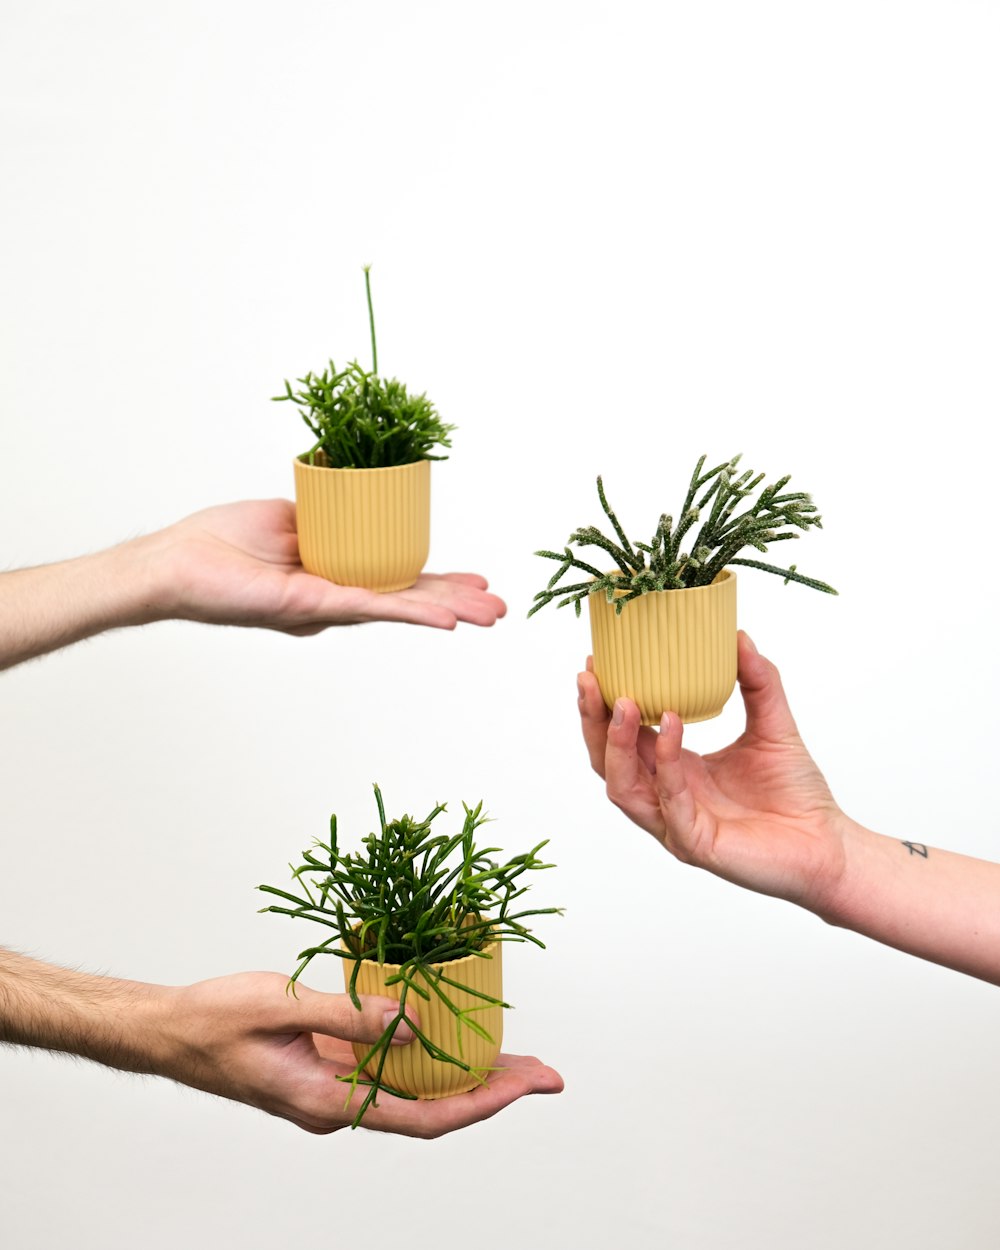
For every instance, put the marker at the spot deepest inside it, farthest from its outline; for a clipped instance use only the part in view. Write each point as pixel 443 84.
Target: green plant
pixel 364 421
pixel 414 898
pixel 661 564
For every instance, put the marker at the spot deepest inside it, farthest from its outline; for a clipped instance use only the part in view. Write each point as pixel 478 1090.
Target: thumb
pixel 768 714
pixel 336 1016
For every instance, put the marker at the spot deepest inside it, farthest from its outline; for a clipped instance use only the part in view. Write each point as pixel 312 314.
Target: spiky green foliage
pixel 680 556
pixel 363 421
pixel 414 898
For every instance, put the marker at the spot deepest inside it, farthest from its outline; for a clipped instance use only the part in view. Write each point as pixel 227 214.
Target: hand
pixel 238 564
pixel 758 813
pixel 245 1038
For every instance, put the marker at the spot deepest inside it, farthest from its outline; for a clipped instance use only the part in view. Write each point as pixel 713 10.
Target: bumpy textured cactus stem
pixel 729 519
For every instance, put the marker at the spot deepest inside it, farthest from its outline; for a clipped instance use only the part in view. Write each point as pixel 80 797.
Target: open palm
pixel 238 564
pixel 246 1038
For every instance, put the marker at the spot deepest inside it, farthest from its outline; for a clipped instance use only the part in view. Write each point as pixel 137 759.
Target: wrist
pixel 95 593
pixel 131 577
pixel 837 898
pixel 162 580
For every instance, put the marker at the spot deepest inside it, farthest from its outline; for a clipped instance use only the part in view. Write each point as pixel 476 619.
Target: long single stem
pixel 371 316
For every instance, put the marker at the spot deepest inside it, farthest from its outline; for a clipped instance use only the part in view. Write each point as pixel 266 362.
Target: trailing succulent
pixel 418 899
pixel 363 421
pixel 724 531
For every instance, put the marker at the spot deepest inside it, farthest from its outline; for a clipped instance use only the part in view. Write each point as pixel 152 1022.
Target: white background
pixel 605 238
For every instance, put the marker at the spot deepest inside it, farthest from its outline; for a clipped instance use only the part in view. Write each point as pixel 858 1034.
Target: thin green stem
pixel 361 420
pixel 371 317
pixel 415 899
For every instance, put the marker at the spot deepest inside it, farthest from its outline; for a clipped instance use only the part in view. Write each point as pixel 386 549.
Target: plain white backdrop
pixel 605 238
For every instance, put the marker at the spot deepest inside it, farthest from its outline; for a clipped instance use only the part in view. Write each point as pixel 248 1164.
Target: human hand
pixel 758 813
pixel 238 564
pixel 243 1037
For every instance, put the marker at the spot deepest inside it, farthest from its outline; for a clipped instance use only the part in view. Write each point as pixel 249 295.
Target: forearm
pixel 930 903
pixel 118 1023
pixel 44 608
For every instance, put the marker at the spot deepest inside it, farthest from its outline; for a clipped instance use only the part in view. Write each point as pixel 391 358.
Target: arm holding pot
pixel 242 1037
pixel 236 564
pixel 760 814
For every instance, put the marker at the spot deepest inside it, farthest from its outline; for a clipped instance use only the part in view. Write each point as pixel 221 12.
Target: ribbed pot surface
pixel 669 650
pixel 410 1068
pixel 364 527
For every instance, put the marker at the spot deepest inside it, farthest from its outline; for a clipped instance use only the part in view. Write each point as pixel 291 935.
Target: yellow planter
pixel 411 1069
pixel 669 650
pixel 364 527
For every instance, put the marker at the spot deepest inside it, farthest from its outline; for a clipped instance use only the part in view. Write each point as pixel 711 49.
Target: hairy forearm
pixel 54 605
pixel 930 903
pixel 114 1022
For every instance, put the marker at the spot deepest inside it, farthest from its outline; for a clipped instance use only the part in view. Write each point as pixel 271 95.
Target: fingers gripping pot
pixel 669 650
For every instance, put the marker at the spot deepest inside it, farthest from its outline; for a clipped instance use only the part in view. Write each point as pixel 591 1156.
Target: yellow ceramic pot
pixel 364 527
pixel 669 650
pixel 411 1069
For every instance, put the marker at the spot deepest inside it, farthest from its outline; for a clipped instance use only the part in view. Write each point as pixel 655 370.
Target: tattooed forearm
pixel 916 848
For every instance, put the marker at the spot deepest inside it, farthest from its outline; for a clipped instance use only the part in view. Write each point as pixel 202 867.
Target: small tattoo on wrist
pixel 916 848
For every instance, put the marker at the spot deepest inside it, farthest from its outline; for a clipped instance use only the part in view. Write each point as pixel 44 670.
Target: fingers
pixel 319 604
pixel 336 1016
pixel 768 714
pixel 465 594
pixel 440 601
pixel 594 717
pixel 624 771
pixel 518 1076
pixel 407 610
pixel 677 804
pixel 463 579
pixel 629 779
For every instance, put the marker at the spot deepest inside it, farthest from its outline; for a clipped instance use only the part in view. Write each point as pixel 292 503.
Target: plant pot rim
pixel 489 951
pixel 329 468
pixel 720 578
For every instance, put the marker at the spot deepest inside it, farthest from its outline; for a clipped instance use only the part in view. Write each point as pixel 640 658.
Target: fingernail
pixel 750 644
pixel 403 1032
pixel 618 715
pixel 664 722
pixel 579 689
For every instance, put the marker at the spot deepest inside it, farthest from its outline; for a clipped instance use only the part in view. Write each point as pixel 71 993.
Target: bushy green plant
pixel 363 421
pixel 775 516
pixel 415 898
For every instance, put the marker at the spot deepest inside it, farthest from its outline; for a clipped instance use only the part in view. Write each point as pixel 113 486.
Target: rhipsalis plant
pixel 415 898
pixel 717 521
pixel 363 421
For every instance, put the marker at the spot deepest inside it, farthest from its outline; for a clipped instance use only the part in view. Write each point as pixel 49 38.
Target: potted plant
pixel 362 489
pixel 424 915
pixel 663 621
